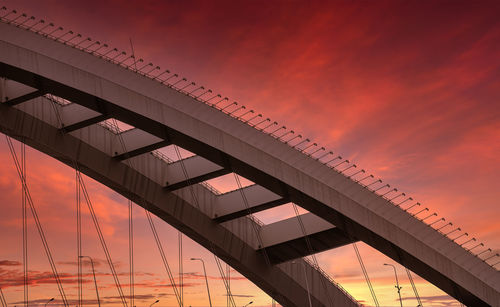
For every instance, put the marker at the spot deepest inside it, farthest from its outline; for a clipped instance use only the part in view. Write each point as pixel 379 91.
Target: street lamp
pixel 206 279
pixel 154 303
pixel 307 283
pixel 95 280
pixel 49 301
pixel 397 284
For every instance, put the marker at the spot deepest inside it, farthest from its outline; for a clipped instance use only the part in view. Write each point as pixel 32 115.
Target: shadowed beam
pixel 14 93
pixel 23 98
pixel 141 150
pixel 85 123
pixel 231 205
pixel 136 142
pixel 284 240
pixel 75 116
pixel 198 169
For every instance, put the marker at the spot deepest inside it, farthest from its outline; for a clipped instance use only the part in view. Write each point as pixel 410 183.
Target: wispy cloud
pixel 9 263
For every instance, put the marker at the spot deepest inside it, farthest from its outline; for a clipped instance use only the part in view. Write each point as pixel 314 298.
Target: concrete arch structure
pixel 33 66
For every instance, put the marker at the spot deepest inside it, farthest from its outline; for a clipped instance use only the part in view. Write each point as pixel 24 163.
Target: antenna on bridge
pixel 133 53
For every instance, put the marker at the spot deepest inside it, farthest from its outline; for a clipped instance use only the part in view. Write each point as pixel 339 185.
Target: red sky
pixel 408 90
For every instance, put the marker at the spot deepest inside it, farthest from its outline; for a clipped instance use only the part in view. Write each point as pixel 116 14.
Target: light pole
pixel 206 279
pixel 49 301
pixel 154 303
pixel 307 283
pixel 95 280
pixel 251 302
pixel 397 284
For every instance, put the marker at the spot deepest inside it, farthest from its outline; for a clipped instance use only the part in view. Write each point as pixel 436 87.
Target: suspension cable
pixel 225 281
pixel 101 237
pixel 228 274
pixel 29 201
pixel 414 287
pixel 181 270
pixel 79 239
pixel 365 273
pixel 25 226
pixel 163 257
pixel 131 251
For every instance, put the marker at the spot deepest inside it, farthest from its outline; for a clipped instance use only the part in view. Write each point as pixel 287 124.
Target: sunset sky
pixel 408 90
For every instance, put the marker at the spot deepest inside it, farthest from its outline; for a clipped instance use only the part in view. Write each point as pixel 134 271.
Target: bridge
pixel 58 89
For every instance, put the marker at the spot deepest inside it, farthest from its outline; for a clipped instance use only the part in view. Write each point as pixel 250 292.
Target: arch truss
pixel 56 95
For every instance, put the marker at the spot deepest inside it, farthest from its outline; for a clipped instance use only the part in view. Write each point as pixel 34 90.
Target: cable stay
pixel 228 274
pixel 414 287
pixel 131 251
pixel 79 239
pixel 101 237
pixel 34 213
pixel 163 257
pixel 25 228
pixel 181 269
pixel 225 280
pixel 365 273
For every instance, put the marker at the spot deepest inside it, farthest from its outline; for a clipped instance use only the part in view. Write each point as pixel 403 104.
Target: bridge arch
pixel 35 65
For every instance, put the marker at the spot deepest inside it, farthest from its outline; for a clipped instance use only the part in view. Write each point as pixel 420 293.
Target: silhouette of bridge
pixel 59 90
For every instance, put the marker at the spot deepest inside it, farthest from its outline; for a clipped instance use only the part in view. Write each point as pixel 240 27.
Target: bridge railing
pixel 241 113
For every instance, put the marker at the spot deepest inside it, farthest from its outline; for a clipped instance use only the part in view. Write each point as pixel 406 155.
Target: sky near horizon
pixel 407 90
